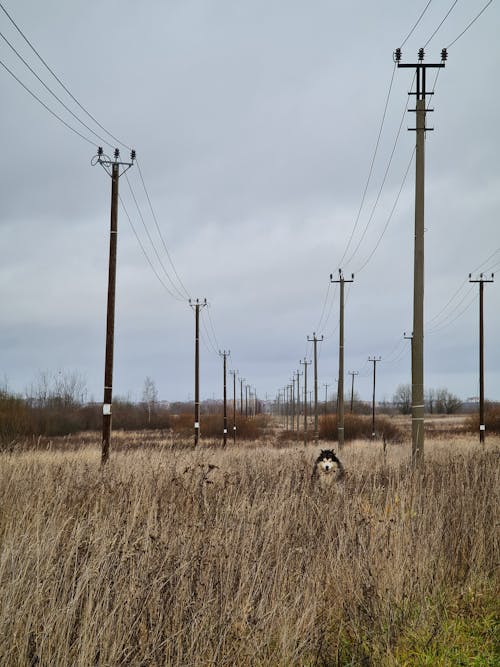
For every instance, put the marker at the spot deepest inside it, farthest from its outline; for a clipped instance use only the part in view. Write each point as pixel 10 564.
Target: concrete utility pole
pixel 287 411
pixel 225 355
pixel 374 361
pixel 196 305
pixel 305 363
pixel 417 356
pixel 115 169
pixel 246 400
pixel 315 340
pixel 353 374
pixel 340 387
pixel 292 396
pixel 481 281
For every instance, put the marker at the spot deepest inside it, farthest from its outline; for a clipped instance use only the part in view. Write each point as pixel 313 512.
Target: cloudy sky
pixel 255 124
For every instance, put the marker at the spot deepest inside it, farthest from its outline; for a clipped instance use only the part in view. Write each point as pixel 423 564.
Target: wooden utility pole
pixel 225 355
pixel 481 281
pixel 305 363
pixel 234 374
pixel 340 387
pixel 315 340
pixel 353 374
pixel 242 380
pixel 196 305
pixel 115 169
pixel 417 356
pixel 374 360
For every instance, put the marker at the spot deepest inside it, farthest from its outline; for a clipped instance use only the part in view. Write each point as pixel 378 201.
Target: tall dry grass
pixel 230 557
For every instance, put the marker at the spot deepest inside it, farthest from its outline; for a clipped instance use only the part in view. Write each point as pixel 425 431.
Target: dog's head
pixel 328 462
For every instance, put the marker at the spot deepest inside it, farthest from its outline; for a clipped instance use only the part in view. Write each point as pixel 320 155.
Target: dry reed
pixel 230 557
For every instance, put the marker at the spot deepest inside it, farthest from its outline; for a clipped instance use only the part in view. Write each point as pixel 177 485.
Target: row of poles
pixel 116 168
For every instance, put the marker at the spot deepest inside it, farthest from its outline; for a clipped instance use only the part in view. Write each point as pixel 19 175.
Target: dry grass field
pixel 230 557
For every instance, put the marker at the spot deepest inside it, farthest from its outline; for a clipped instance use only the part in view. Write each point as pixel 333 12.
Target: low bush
pixel 491 420
pixel 359 427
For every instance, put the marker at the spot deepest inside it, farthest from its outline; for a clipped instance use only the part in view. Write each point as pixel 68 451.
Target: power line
pixel 439 26
pixel 415 25
pixel 371 167
pixel 53 113
pixel 159 231
pixel 469 25
pixel 444 324
pixel 59 80
pixel 179 296
pixel 101 139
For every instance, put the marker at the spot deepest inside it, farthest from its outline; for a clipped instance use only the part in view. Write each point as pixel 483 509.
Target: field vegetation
pixel 170 556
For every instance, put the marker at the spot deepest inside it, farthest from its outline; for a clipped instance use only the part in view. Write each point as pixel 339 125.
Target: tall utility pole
pixel 287 403
pixel 340 387
pixel 196 305
pixel 115 169
pixel 481 281
pixel 293 404
pixel 225 355
pixel 326 397
pixel 234 374
pixel 305 363
pixel 315 340
pixel 352 373
pixel 374 360
pixel 417 346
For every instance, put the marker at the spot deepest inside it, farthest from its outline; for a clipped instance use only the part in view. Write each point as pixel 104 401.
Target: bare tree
pixel 402 399
pixel 150 396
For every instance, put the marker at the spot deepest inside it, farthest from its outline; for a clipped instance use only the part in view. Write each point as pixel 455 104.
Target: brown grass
pixel 164 559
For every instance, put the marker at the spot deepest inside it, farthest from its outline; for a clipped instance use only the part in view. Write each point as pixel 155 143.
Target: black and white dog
pixel 327 468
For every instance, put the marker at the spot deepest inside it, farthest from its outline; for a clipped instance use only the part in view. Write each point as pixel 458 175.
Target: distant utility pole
pixel 293 404
pixel 298 374
pixel 352 373
pixel 115 169
pixel 305 363
pixel 225 355
pixel 374 361
pixel 417 345
pixel 234 374
pixel 340 389
pixel 287 410
pixel 481 281
pixel 242 380
pixel 196 305
pixel 326 397
pixel 315 340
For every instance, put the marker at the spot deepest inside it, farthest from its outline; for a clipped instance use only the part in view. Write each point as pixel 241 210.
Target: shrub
pixel 491 419
pixel 359 427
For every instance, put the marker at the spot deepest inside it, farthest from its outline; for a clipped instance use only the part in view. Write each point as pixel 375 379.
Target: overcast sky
pixel 255 124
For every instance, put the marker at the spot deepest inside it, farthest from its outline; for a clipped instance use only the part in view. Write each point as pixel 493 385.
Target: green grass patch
pixel 465 632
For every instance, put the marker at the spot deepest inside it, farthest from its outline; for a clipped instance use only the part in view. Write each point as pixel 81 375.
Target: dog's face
pixel 327 462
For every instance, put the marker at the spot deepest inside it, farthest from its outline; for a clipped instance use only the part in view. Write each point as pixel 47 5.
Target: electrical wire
pixel 439 325
pixel 59 80
pixel 390 215
pixel 447 324
pixel 159 231
pixel 141 245
pixel 439 26
pixel 53 113
pixel 52 92
pixel 416 24
pixel 178 295
pixel 469 25
pixel 371 168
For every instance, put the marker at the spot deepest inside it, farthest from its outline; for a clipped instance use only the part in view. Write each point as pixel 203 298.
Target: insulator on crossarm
pixel 397 55
pixel 99 151
pixel 421 54
pixel 444 55
pixel 132 155
pixel 117 153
